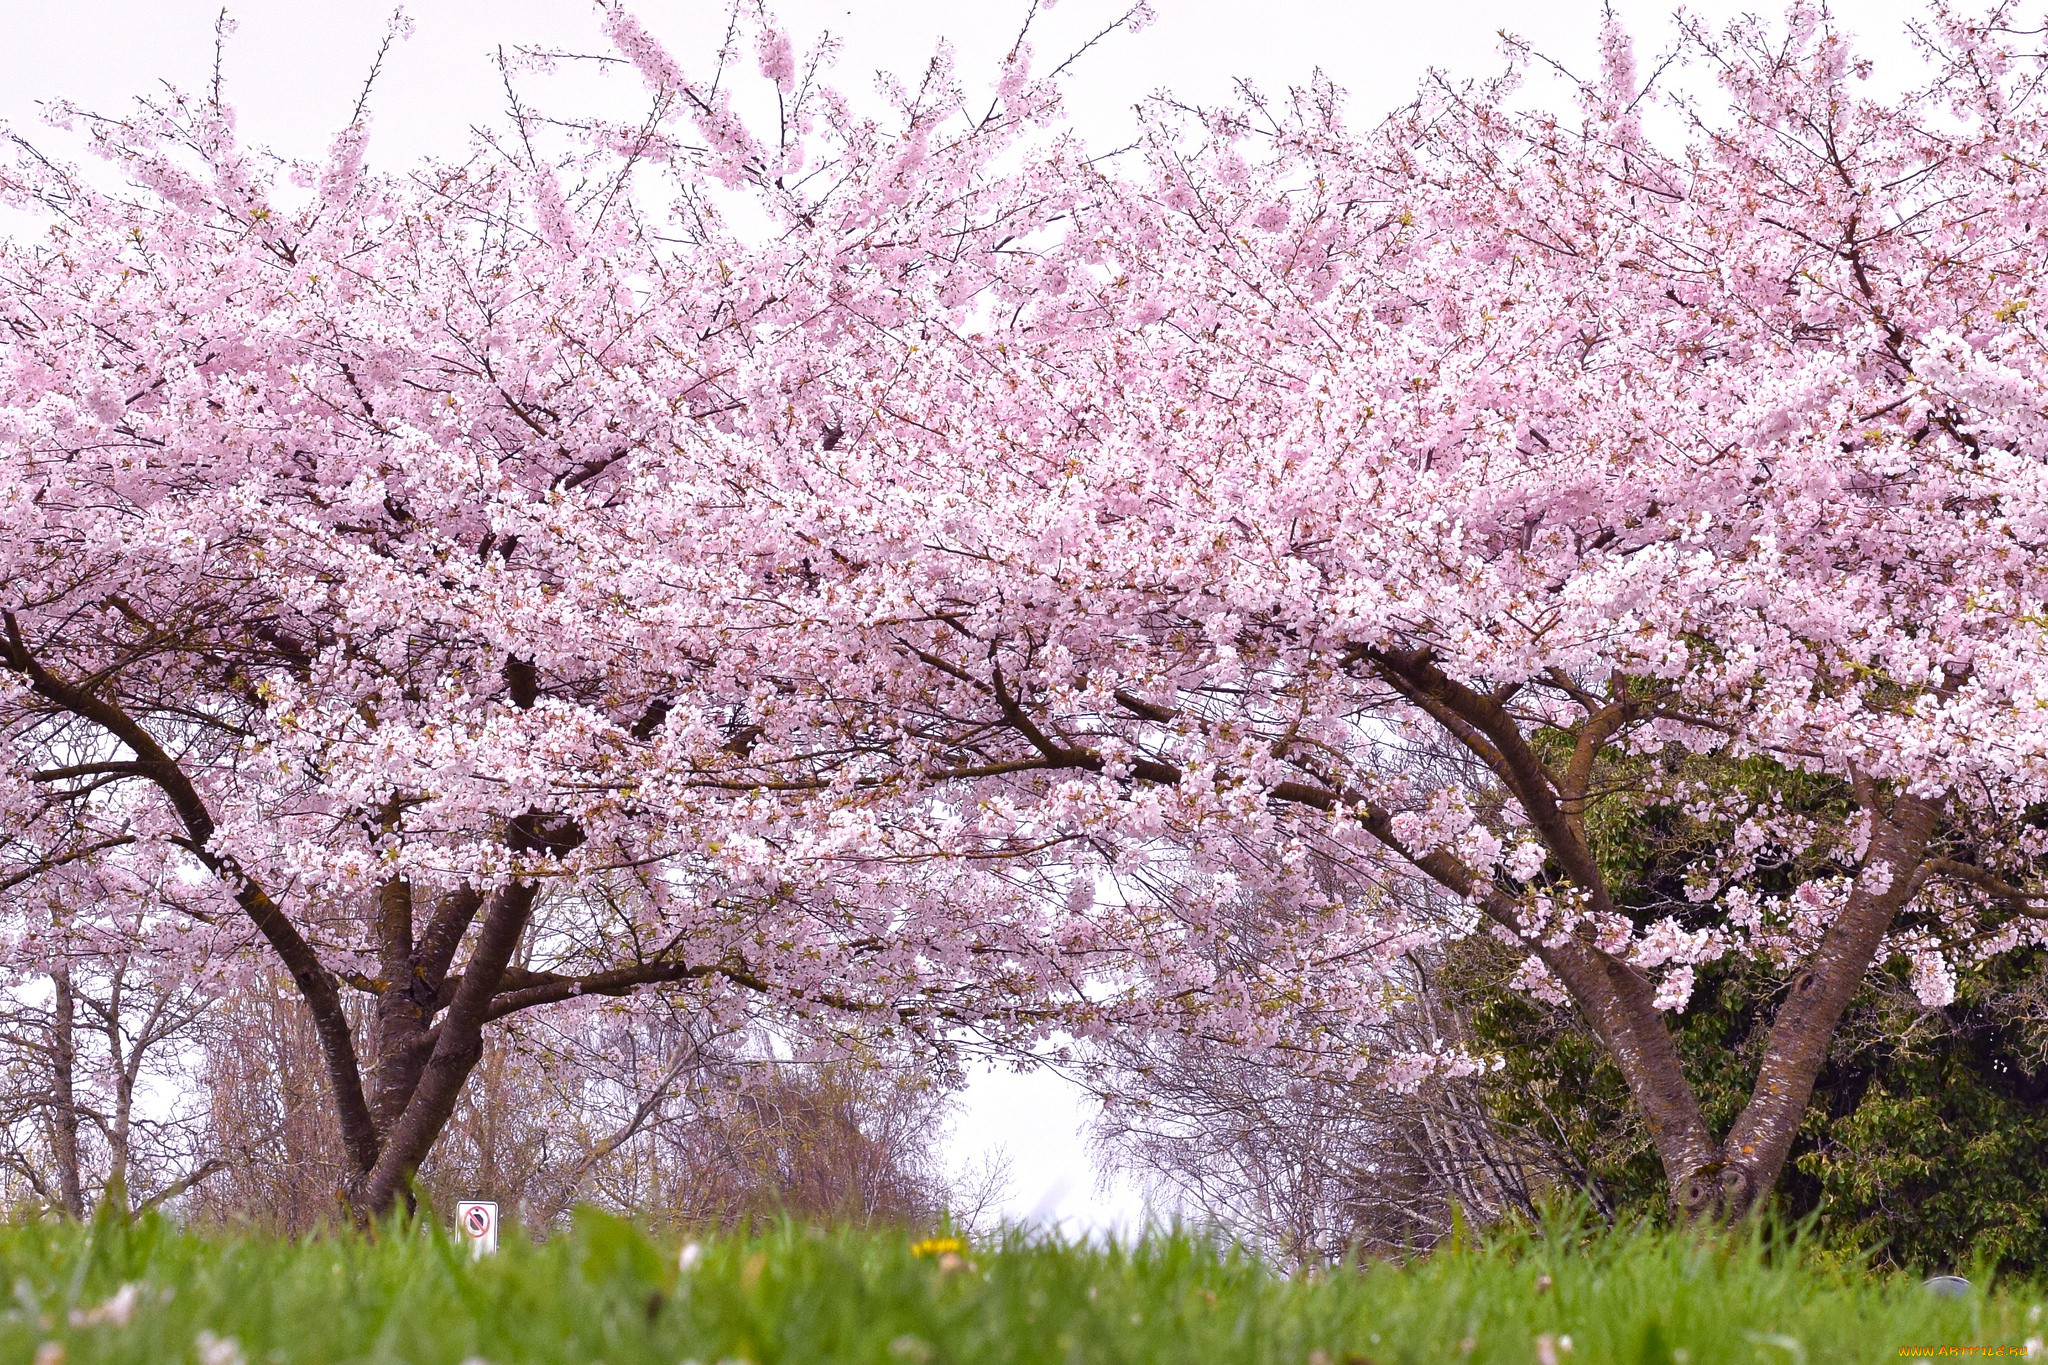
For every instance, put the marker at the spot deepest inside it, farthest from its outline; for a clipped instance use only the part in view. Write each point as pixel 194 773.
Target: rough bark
pixel 1617 1003
pixel 401 1017
pixel 1616 999
pixel 63 1092
pixel 1753 1156
pixel 412 981
pixel 418 1065
pixel 458 1045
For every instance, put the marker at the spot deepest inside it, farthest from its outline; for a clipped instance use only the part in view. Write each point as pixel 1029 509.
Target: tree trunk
pixel 1729 1179
pixel 1703 1177
pixel 458 1046
pixel 63 1091
pixel 412 971
pixel 124 1093
pixel 420 1069
pixel 1747 1167
pixel 1617 1001
pixel 316 984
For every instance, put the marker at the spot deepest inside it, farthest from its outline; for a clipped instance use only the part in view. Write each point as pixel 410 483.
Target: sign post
pixel 477 1221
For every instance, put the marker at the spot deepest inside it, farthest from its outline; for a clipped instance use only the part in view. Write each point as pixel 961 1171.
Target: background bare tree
pixel 1312 1168
pixel 209 1093
pixel 268 1124
pixel 645 1107
pixel 95 1103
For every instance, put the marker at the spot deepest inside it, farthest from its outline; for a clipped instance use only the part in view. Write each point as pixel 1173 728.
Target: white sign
pixel 477 1221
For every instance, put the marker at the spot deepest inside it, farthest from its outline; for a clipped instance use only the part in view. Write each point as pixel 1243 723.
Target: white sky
pixel 295 66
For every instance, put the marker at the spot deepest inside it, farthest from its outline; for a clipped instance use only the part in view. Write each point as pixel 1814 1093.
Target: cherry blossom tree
pixel 897 569
pixel 1395 499
pixel 352 527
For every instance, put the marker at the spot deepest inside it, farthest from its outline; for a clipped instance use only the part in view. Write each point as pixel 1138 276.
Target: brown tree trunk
pixel 412 972
pixel 63 1092
pixel 1617 1002
pixel 1703 1177
pixel 419 1066
pixel 457 1047
pixel 1751 1159
pixel 1730 1178
pixel 322 995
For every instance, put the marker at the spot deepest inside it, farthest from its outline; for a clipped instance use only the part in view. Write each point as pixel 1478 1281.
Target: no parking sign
pixel 477 1221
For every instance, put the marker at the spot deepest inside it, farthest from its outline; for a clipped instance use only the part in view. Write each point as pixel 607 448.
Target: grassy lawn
pixel 149 1293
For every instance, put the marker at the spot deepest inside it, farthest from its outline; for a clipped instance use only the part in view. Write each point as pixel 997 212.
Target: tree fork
pixel 1754 1154
pixel 458 1047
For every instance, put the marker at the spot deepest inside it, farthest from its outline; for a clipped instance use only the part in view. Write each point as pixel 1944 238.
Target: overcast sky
pixel 294 68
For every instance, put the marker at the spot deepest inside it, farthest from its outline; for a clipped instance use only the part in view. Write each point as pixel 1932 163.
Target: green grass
pixel 608 1293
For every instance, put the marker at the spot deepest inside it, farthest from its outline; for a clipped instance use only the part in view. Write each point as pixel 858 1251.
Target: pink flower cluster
pixel 972 585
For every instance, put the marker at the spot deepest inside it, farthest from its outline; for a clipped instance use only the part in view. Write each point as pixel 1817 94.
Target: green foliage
pixel 1923 1146
pixel 1927 1130
pixel 609 1292
pixel 1932 1143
